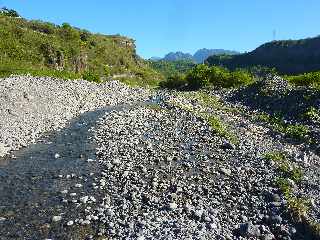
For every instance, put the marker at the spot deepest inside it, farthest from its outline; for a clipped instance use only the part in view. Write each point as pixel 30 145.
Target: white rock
pixel 56 218
pixel 226 171
pixel 3 150
pixel 84 199
pixel 70 223
pixel 173 206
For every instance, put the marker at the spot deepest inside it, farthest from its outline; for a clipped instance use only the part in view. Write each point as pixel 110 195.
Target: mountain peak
pixel 199 57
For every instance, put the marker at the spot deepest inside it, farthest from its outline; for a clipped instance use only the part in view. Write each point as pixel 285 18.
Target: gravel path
pixel 32 106
pixel 145 170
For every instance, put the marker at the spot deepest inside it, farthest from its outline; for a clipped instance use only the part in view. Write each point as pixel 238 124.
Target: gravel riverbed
pixel 130 164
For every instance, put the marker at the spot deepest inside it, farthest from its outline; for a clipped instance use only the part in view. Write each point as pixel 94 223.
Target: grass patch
pixel 221 129
pixel 286 168
pixel 297 207
pixel 311 79
pixel 6 72
pixel 155 107
pixel 207 101
pixel 312 114
pixel 295 131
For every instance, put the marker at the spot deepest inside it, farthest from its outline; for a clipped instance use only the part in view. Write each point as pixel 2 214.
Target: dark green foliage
pixel 311 79
pixel 287 57
pixel 91 77
pixel 202 75
pixel 295 131
pixel 44 27
pixel 262 71
pixel 221 77
pixel 9 12
pixel 174 82
pixel 198 76
pixel 172 68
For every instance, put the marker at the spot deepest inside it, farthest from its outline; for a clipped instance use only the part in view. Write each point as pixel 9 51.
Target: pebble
pixel 226 171
pixel 70 223
pixel 56 218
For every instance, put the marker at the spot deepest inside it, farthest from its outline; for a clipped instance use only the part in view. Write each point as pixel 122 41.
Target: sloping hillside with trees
pixel 288 57
pixel 65 51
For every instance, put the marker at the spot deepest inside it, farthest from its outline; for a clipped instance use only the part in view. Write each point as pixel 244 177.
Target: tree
pixel 198 77
pixel 9 12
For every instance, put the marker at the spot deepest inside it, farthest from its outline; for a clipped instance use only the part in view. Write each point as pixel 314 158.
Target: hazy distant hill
pixel 177 56
pixel 201 55
pixel 287 56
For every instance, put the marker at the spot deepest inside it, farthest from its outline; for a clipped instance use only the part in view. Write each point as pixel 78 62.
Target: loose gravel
pixel 32 106
pixel 131 164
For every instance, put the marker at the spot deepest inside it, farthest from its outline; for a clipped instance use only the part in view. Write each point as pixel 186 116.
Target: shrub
pixel 91 77
pixel 202 76
pixel 198 77
pixel 297 131
pixel 312 114
pixel 174 82
pixel 69 33
pixel 44 27
pixel 9 12
pixel 311 79
pixel 84 36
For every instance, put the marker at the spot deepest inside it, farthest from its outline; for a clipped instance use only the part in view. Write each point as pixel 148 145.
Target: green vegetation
pixel 202 76
pixel 312 114
pixel 287 169
pixel 298 207
pixel 311 79
pixel 172 68
pixel 287 57
pixel 9 12
pixel 42 48
pixel 155 107
pixel 221 129
pixel 295 131
pixel 208 104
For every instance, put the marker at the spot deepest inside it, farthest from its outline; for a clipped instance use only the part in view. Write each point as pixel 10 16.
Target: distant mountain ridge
pixel 287 56
pixel 177 56
pixel 199 57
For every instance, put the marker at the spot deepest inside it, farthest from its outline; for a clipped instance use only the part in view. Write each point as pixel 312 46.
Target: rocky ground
pixel 132 164
pixel 31 106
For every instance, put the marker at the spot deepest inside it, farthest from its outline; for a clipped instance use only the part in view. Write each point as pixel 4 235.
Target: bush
pixel 198 76
pixel 47 28
pixel 9 12
pixel 202 75
pixel 91 77
pixel 175 82
pixel 311 79
pixel 68 32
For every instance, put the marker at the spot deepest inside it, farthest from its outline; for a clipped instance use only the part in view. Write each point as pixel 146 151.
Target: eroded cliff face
pixel 28 44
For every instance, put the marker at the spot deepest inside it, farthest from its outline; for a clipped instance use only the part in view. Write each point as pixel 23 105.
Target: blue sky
pixel 161 26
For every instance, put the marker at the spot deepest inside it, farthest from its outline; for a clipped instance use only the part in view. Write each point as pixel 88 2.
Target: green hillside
pixel 65 51
pixel 170 68
pixel 288 57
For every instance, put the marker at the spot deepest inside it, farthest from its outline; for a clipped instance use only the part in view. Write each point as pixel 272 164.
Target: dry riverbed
pixel 132 164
